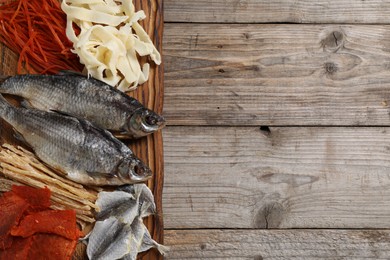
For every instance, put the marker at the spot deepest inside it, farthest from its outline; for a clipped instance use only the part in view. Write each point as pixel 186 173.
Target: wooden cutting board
pixel 151 94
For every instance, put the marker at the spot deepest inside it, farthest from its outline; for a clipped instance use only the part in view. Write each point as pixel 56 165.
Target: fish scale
pixel 87 154
pixel 87 98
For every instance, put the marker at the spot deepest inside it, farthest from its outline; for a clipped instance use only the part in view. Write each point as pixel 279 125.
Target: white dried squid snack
pixel 110 41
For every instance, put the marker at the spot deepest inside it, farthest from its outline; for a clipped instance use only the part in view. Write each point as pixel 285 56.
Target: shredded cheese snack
pixel 110 41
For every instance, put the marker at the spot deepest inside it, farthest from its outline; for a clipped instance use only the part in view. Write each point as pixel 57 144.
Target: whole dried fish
pixel 87 154
pixel 113 239
pixel 120 231
pixel 88 98
pixel 126 203
pixel 109 239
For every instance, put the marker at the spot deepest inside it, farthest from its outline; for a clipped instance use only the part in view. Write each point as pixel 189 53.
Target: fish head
pixel 143 122
pixel 133 170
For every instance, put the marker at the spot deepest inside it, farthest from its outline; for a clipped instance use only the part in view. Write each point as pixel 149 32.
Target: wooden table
pixel 278 144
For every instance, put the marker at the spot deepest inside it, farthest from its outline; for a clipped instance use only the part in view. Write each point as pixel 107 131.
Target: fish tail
pixel 6 85
pixel 162 249
pixel 3 78
pixel 3 84
pixel 4 106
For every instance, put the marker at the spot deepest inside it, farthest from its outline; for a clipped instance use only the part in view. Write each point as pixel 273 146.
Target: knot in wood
pixel 270 215
pixel 333 41
pixel 330 67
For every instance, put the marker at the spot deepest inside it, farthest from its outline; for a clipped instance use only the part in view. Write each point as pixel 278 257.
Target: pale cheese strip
pixel 110 41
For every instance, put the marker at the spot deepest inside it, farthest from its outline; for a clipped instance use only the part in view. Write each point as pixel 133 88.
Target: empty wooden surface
pixel 277 144
pixel 281 11
pixel 244 177
pixel 218 74
pixel 279 244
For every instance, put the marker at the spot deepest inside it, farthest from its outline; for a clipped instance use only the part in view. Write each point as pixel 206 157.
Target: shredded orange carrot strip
pixel 35 29
pixel 16 12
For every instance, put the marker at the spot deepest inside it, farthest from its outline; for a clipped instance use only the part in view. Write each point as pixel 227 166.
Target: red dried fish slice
pixel 60 222
pixel 19 250
pixel 38 199
pixel 50 246
pixel 12 208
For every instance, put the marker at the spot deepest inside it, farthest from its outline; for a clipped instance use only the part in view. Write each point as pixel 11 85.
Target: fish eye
pixel 151 119
pixel 139 170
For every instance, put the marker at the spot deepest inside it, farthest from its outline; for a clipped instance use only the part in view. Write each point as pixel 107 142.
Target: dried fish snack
pixel 74 94
pixel 85 153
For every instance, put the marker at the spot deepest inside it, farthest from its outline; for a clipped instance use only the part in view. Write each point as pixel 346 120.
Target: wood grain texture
pixel 278 244
pixel 151 95
pixel 277 74
pixel 8 61
pixel 244 177
pixel 287 11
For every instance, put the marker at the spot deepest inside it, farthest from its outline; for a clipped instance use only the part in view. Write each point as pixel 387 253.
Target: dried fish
pixel 120 214
pixel 142 241
pixel 109 239
pixel 119 204
pixel 87 98
pixel 87 154
pixel 137 234
pixel 148 243
pixel 144 196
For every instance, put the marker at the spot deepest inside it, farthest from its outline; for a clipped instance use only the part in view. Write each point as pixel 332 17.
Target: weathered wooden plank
pixel 278 244
pixel 244 177
pixel 277 74
pixel 265 11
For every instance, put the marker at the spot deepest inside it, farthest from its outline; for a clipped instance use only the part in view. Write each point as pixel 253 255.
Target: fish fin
pixel 122 135
pixel 61 112
pixel 162 249
pixel 24 103
pixel 57 170
pixel 70 72
pixel 18 136
pixel 109 175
